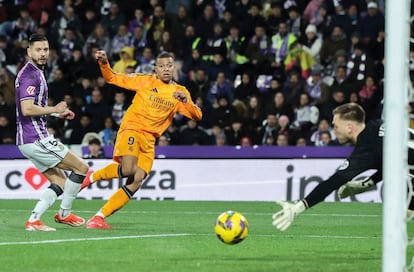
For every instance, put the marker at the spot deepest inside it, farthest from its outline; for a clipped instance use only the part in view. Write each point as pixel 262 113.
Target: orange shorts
pixel 138 144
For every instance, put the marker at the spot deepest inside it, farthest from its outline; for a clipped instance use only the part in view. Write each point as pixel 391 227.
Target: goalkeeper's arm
pixel 358 186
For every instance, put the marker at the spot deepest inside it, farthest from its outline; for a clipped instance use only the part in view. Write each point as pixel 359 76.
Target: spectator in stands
pixel 21 28
pixel 324 126
pixel 114 19
pixel 7 130
pixel 341 81
pixel 224 113
pixel 199 85
pixel 268 132
pixel 359 65
pixel 89 19
pixel 109 132
pixel 80 129
pixel 67 44
pixel 185 44
pixel 351 20
pixel 367 94
pixel 91 70
pixel 121 39
pixel 324 20
pixel 247 88
pixel 280 46
pixel 98 109
pixel 236 46
pixel 258 51
pixel 75 66
pixel 156 25
pixel 296 24
pixel 192 134
pixel 98 38
pixel 179 22
pixel 138 41
pixel 219 88
pixel 7 87
pixel 67 19
pixel 316 87
pixel 282 140
pixel 280 106
pixel 293 88
pixel 203 23
pixel 218 64
pixel 59 86
pixel 126 58
pixel 274 18
pixel 227 21
pixel 306 116
pixel 95 150
pixel 268 94
pixel 284 128
pixel 146 62
pixel 6 109
pixel 163 140
pixel 255 116
pixel 338 97
pixel 301 141
pixel 138 20
pixel 236 132
pixel 192 64
pixel 253 19
pixel 337 40
pixel 371 24
pixel 312 42
pixel 165 43
pixel 119 107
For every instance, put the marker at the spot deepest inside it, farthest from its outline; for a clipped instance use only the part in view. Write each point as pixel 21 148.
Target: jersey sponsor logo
pixel 344 165
pixel 30 90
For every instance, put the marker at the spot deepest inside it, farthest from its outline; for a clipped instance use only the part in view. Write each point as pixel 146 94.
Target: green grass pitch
pixel 178 236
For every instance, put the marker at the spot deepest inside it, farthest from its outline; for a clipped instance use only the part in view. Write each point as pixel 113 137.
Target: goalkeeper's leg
pixel 359 186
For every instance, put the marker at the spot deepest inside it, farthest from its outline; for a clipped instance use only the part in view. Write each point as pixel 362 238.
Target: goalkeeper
pixel 349 126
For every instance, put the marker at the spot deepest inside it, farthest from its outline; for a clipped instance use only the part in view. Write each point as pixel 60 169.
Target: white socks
pixel 46 200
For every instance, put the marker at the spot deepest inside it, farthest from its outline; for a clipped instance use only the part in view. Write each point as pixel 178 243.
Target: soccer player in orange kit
pixel 157 98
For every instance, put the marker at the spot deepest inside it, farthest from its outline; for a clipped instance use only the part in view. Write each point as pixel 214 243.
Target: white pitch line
pixel 178 235
pixel 93 239
pixel 212 213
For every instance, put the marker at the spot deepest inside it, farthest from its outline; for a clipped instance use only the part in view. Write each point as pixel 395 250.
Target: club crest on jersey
pixel 344 165
pixel 30 89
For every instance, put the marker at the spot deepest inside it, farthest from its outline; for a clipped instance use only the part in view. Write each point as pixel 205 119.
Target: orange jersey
pixel 153 106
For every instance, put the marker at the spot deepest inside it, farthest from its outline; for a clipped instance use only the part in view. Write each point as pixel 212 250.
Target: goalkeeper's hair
pixel 350 112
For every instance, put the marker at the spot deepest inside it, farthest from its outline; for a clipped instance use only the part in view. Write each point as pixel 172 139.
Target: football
pixel 231 227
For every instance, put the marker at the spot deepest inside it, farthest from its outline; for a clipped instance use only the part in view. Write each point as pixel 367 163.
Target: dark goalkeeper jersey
pixel 366 155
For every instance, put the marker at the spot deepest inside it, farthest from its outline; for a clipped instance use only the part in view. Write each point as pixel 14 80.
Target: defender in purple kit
pixel 49 155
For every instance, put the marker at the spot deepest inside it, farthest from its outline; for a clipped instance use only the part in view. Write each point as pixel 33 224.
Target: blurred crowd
pixel 264 72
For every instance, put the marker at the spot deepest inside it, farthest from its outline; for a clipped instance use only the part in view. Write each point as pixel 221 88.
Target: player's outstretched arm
pixel 284 218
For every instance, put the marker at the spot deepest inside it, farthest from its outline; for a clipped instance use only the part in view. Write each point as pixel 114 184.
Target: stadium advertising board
pixel 196 179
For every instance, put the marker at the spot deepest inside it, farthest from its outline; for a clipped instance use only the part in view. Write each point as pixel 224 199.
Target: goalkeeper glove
pixel 355 187
pixel 284 218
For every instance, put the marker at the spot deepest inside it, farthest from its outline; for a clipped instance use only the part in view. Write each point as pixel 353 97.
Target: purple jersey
pixel 30 84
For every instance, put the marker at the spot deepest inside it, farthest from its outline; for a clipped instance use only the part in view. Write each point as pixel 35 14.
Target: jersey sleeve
pixel 190 109
pixel 26 87
pixel 131 82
